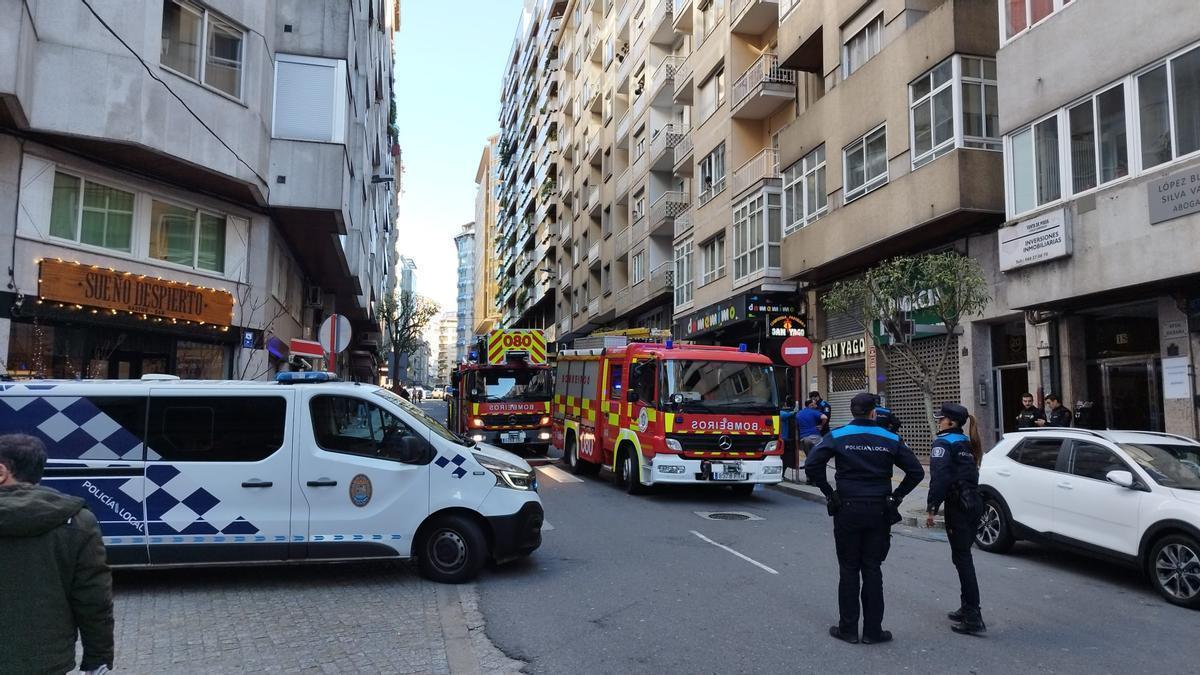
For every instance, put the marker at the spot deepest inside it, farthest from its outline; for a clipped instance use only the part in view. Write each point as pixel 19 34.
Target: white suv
pixel 1129 496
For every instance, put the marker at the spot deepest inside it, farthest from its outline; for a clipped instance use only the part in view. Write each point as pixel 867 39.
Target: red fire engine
pixel 656 412
pixel 502 395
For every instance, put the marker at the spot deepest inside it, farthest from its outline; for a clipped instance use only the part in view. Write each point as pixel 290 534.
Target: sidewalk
pixel 913 507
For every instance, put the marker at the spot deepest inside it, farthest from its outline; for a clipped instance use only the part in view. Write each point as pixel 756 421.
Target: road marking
pixel 747 558
pixel 558 475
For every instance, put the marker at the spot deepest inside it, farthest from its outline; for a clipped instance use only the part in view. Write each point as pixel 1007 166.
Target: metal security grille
pixel 843 383
pixel 905 399
pixel 841 325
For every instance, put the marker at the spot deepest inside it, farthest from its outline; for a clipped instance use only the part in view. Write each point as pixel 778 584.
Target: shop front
pixel 90 322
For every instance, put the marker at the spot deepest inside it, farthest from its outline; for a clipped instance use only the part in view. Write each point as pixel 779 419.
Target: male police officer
pixel 864 507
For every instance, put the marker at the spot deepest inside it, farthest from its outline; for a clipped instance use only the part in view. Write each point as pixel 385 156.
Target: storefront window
pixel 199 361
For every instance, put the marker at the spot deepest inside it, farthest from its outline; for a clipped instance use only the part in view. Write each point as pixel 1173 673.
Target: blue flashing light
pixel 742 347
pixel 474 355
pixel 670 344
pixel 305 376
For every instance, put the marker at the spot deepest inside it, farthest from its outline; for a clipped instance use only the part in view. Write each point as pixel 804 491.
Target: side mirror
pixel 409 449
pixel 632 397
pixel 1122 478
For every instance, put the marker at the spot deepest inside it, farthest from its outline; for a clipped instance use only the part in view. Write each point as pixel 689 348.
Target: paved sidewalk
pixel 913 507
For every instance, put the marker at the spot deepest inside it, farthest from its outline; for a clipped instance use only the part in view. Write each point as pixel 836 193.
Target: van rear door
pixel 217 474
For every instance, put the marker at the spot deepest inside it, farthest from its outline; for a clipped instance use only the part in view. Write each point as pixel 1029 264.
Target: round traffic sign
pixel 335 334
pixel 796 351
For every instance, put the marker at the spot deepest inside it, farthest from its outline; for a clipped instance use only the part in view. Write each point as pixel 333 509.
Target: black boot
pixel 971 623
pixel 956 616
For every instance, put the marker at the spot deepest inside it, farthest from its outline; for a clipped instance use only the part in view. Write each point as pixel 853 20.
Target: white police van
pixel 303 469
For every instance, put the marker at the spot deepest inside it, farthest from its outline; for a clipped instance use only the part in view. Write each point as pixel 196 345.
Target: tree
pixel 251 309
pixel 405 316
pixel 948 286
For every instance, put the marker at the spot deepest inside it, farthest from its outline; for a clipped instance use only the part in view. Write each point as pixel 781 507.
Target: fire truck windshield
pixel 510 384
pixel 718 386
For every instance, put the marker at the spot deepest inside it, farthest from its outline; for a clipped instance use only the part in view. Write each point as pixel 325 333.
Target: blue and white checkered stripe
pixel 245 539
pixel 71 426
pixel 457 461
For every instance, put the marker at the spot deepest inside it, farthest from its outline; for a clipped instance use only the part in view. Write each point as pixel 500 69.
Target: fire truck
pixel 655 412
pixel 502 394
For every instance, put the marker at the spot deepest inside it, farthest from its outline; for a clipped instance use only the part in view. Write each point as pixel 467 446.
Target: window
pixel 804 198
pixel 639 204
pixel 756 235
pixel 711 12
pixel 187 236
pixel 1040 453
pixel 637 273
pixel 639 144
pixel 1034 166
pixel 861 46
pixel 1019 15
pixel 712 174
pixel 1095 461
pixel 356 427
pixel 1098 140
pixel 960 83
pixel 711 94
pixel 217 428
pixel 980 112
pixel 865 164
pixel 615 386
pixel 310 98
pixel 91 213
pixel 185 27
pixel 684 279
pixel 932 113
pixel 1169 131
pixel 712 260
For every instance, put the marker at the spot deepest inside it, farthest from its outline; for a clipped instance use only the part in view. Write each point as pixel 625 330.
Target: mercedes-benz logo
pixel 512 419
pixel 725 443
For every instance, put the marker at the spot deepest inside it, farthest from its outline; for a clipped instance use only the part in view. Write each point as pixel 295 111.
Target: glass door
pixel 1132 396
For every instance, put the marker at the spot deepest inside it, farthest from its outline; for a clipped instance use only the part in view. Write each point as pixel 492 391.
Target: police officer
pixel 1060 415
pixel 1030 415
pixel 864 507
pixel 887 419
pixel 824 407
pixel 954 479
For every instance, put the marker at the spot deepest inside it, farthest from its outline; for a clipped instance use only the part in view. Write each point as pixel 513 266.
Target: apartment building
pixel 1102 175
pixel 185 186
pixel 445 329
pixel 464 244
pixel 487 264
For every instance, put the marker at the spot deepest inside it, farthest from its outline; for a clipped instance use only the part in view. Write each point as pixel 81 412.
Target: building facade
pixel 187 186
pixel 464 243
pixel 445 336
pixel 487 265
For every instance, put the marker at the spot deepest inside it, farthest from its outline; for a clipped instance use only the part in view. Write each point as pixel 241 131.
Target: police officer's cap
pixel 954 411
pixel 862 404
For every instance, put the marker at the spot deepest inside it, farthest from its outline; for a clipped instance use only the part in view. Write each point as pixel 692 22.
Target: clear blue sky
pixel 450 59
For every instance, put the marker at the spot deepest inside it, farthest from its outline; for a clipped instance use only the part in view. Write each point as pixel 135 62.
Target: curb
pixel 914 518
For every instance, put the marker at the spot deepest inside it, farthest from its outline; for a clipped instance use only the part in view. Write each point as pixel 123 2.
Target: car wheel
pixel 742 489
pixel 452 550
pixel 627 473
pixel 994 533
pixel 1175 570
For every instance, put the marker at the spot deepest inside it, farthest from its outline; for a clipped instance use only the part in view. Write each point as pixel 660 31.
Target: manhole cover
pixel 727 515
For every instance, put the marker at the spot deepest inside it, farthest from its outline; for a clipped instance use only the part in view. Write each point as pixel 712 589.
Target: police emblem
pixel 360 490
pixel 938 452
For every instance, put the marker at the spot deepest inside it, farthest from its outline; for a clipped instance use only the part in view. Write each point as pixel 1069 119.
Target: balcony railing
pixel 663 14
pixel 765 70
pixel 564 230
pixel 669 205
pixel 683 148
pixel 621 242
pixel 593 254
pixel 593 199
pixel 662 278
pixel 623 181
pixel 681 5
pixel 663 140
pixel 664 75
pixel 760 167
pixel 564 326
pixel 593 307
pixel 786 6
pixel 683 222
pixel 683 75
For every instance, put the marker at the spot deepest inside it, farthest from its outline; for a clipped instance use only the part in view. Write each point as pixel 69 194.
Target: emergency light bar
pixel 309 376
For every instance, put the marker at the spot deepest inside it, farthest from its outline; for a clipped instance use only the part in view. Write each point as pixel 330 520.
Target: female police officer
pixel 954 480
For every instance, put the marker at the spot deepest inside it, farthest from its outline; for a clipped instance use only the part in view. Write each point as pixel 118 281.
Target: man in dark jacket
pixel 54 578
pixel 1060 415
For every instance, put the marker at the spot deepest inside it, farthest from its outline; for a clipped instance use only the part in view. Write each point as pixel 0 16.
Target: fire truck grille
pixel 708 445
pixel 511 420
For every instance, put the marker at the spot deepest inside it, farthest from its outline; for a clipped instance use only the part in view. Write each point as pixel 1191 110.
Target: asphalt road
pixel 644 585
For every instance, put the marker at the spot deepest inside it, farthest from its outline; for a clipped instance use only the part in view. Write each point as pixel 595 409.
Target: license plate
pixel 731 476
pixel 512 437
pixel 728 471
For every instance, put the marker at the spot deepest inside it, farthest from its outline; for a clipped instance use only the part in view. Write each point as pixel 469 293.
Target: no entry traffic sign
pixel 796 351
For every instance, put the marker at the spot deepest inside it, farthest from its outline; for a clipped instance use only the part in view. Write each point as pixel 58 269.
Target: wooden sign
pixel 128 292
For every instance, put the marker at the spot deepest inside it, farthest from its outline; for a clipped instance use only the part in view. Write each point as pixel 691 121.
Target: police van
pixel 301 469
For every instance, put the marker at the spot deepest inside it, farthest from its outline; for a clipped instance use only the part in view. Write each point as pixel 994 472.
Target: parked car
pixel 1128 496
pixel 438 393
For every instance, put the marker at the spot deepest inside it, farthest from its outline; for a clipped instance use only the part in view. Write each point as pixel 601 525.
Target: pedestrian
pixel 809 422
pixel 824 407
pixel 864 508
pixel 54 577
pixel 787 433
pixel 1060 415
pixel 954 480
pixel 1030 415
pixel 887 419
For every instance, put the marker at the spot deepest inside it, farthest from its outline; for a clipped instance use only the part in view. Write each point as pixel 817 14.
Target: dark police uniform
pixel 954 481
pixel 1060 417
pixel 1028 417
pixel 865 454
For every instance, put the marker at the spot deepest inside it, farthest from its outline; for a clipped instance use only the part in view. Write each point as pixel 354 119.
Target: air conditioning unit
pixel 312 296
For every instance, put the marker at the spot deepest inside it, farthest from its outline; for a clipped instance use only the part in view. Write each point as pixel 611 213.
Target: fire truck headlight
pixel 670 468
pixel 772 470
pixel 508 475
pixel 674 445
pixel 477 422
pixel 545 421
pixel 478 438
pixel 770 446
pixel 544 436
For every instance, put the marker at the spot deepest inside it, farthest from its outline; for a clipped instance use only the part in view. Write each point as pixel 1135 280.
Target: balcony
pixel 683 153
pixel 754 17
pixel 662 85
pixel 665 208
pixel 564 326
pixel 592 100
pixel 623 127
pixel 660 26
pixel 564 231
pixel 661 145
pixel 628 60
pixel 682 16
pixel 622 301
pixel 566 141
pixel 593 199
pixel 621 243
pixel 661 279
pixel 623 183
pixel 593 307
pixel 762 167
pixel 683 222
pixel 593 254
pixel 684 80
pixel 763 89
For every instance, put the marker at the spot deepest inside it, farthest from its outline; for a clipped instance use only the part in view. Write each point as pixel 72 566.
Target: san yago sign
pixel 1044 237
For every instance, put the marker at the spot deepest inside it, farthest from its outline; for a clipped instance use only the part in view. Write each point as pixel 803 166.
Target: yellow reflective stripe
pixel 614 419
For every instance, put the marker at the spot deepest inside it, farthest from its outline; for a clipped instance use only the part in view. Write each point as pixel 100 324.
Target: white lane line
pixel 747 558
pixel 546 526
pixel 558 475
